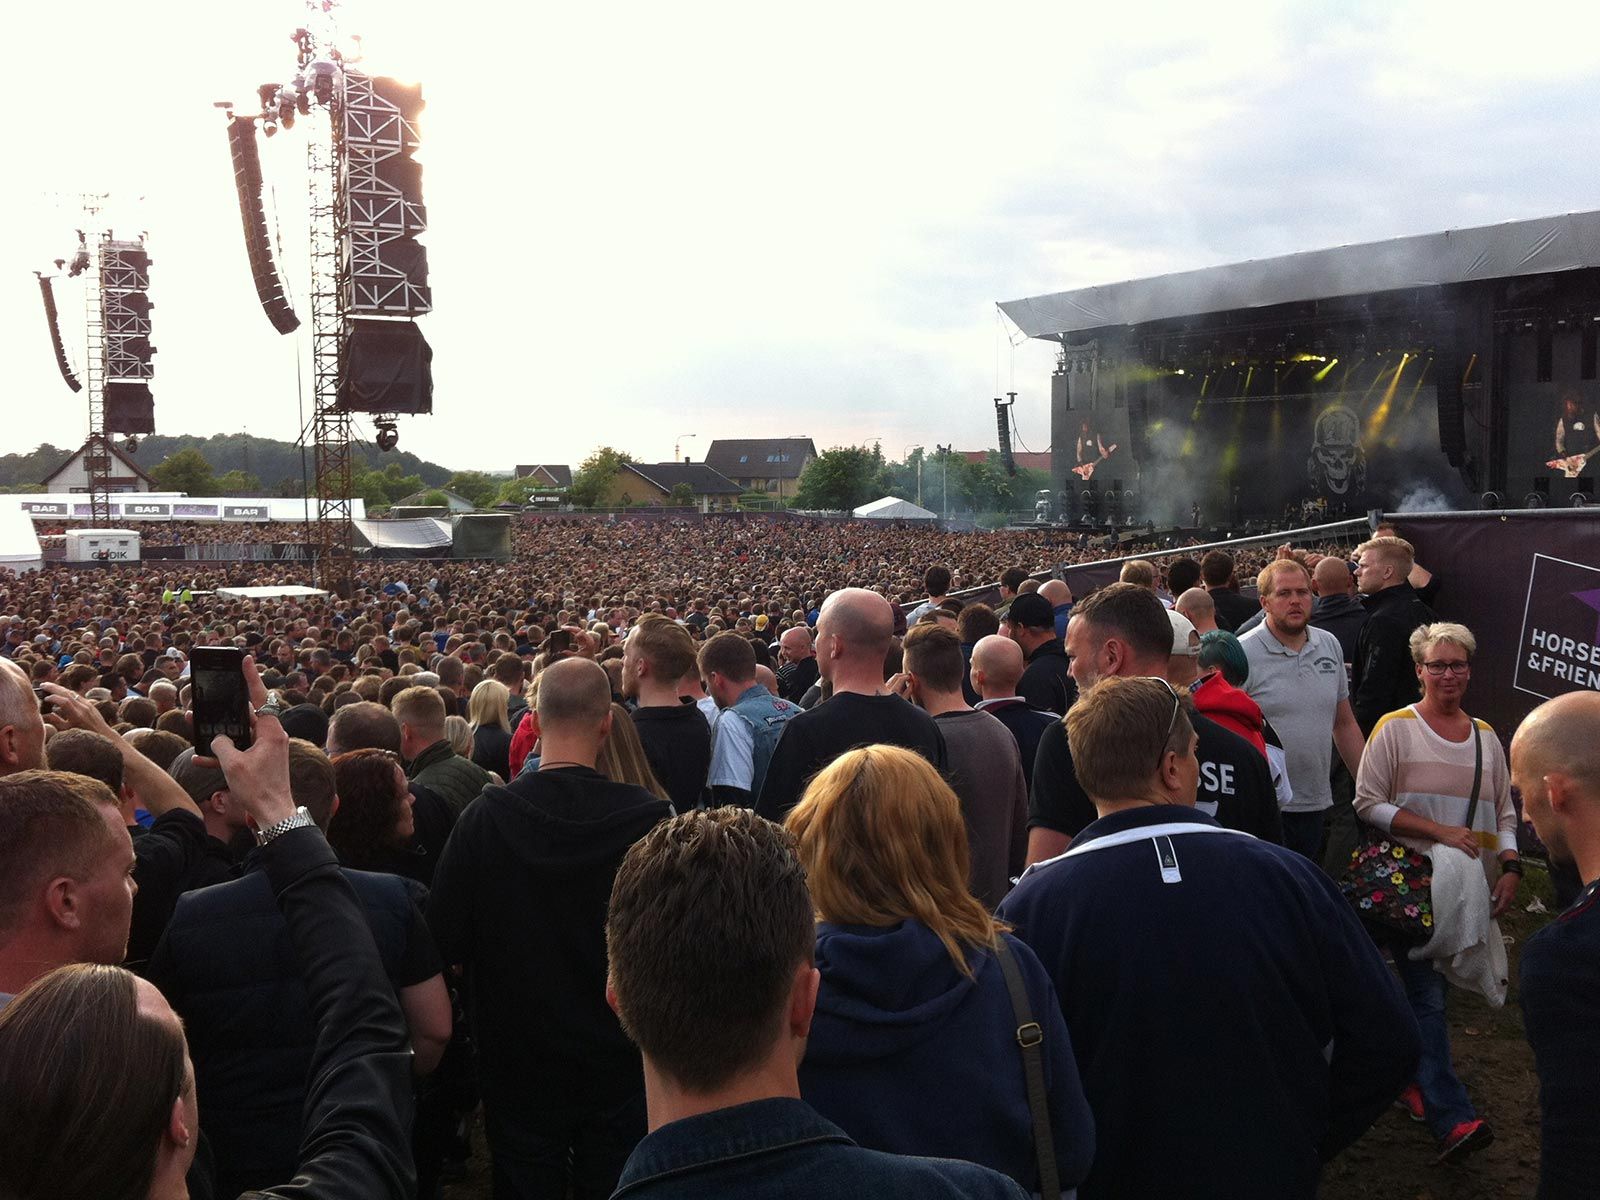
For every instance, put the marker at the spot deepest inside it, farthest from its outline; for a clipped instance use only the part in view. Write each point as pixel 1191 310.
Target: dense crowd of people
pixel 749 858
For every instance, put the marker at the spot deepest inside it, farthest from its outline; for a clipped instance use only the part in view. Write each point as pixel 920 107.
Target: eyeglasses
pixel 1439 668
pixel 1172 722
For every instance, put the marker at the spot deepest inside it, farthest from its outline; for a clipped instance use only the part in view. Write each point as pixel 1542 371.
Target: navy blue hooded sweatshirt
pixel 910 1056
pixel 1234 1025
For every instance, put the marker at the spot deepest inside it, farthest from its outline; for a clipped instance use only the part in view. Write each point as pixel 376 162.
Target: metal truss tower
pixel 334 532
pixel 96 447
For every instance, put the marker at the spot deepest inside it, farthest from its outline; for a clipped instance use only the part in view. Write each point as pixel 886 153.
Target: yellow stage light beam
pixel 1323 374
pixel 1380 415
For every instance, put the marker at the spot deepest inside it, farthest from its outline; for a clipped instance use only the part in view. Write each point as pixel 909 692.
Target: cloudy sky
pixel 651 221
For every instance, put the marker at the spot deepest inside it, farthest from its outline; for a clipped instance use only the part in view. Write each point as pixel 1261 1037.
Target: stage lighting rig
pixel 388 436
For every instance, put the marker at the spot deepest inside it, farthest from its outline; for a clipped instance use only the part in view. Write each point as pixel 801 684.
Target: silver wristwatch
pixel 295 820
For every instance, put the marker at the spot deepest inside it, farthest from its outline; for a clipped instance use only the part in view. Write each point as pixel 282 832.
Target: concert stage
pixel 1451 370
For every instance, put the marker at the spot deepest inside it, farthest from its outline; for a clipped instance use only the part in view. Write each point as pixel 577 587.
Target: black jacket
pixel 227 966
pixel 519 899
pixel 849 719
pixel 356 1140
pixel 677 741
pixel 1233 609
pixel 1385 678
pixel 175 855
pixel 1046 682
pixel 1342 616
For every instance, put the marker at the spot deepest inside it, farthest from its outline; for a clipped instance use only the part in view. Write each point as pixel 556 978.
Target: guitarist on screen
pixel 1577 437
pixel 1091 450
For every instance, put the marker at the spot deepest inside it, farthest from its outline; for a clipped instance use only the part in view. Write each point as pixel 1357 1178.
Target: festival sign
pixel 1559 647
pixel 147 510
pixel 206 512
pixel 245 512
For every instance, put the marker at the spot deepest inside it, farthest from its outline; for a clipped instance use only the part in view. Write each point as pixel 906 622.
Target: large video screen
pixel 1310 440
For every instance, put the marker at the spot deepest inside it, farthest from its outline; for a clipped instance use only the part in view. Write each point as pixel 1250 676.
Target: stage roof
pixel 1546 244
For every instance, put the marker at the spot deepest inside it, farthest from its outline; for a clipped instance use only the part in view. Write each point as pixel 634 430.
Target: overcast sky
pixel 747 220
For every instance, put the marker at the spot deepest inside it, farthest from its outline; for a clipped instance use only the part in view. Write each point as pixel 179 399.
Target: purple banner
pixel 203 511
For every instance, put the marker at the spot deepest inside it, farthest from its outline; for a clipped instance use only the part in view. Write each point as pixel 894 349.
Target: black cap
pixel 1031 611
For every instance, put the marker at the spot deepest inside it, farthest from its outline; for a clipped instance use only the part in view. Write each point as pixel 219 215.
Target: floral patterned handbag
pixel 1390 885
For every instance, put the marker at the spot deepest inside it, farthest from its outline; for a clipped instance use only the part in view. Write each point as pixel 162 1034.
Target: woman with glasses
pixel 913 1049
pixel 1416 783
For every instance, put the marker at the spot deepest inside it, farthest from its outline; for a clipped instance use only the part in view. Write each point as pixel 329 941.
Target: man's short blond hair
pixel 420 707
pixel 1397 552
pixel 1119 730
pixel 665 645
pixel 1268 579
pixel 1138 571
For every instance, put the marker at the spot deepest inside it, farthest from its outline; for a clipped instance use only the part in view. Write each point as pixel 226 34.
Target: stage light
pixel 131 444
pixel 1323 374
pixel 269 126
pixel 388 436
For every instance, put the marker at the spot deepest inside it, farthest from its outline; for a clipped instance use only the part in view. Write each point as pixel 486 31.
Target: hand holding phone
pixel 221 697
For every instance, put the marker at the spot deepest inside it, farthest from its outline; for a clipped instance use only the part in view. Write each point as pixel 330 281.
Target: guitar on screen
pixel 1086 471
pixel 1571 466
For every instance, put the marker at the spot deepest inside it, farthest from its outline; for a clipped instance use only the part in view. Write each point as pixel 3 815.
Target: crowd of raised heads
pixel 739 859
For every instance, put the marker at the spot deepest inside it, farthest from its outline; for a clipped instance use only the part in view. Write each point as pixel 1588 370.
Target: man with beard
pixel 1553 765
pixel 1123 630
pixel 1297 677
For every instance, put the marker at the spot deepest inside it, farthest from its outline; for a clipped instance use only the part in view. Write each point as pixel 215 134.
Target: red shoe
pixel 1466 1138
pixel 1410 1102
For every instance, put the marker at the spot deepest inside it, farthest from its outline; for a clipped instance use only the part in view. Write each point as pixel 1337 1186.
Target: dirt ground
pixel 1394 1161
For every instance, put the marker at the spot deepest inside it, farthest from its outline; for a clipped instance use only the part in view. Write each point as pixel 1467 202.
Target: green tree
pixel 843 478
pixel 682 494
pixel 434 499
pixel 595 474
pixel 186 471
pixel 475 486
pixel 397 484
pixel 238 483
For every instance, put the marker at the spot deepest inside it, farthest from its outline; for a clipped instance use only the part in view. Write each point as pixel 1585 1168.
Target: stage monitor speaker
pixel 387 368
pixel 1447 396
pixel 129 407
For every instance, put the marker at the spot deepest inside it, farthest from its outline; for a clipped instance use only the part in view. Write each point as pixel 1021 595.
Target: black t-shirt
pixel 1233 610
pixel 795 679
pixel 1235 784
pixel 816 737
pixel 677 741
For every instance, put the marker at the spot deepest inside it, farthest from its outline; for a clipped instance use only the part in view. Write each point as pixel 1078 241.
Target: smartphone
pixel 221 696
pixel 559 641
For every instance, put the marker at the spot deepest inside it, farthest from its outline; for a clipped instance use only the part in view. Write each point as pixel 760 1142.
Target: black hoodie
pixel 519 899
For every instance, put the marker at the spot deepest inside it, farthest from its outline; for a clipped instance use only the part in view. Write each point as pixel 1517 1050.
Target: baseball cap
pixel 1185 638
pixel 1031 611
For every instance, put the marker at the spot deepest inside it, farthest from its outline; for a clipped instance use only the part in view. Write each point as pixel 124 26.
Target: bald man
pixel 1336 609
pixel 519 901
pixel 798 664
pixel 997 666
pixel 1060 596
pixel 1554 766
pixel 1197 605
pixel 854 630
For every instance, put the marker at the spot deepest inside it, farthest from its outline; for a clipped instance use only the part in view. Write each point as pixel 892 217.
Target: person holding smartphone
pixel 128 1123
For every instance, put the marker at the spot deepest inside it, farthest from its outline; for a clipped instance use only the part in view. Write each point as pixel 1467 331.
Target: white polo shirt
pixel 1299 692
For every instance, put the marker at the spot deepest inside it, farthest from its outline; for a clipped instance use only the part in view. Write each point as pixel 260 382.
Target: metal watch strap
pixel 295 820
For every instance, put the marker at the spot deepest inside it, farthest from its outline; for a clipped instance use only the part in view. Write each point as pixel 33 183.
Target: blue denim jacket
pixel 781 1148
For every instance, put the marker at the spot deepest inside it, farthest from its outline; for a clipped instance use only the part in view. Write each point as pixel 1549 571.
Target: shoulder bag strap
pixel 1477 772
pixel 1030 1036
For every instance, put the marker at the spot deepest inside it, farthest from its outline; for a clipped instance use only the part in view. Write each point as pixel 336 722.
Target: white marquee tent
pixel 892 508
pixel 19 544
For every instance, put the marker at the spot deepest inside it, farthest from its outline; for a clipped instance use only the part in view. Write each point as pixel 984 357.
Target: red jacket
pixel 1231 708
